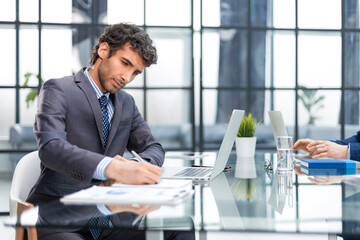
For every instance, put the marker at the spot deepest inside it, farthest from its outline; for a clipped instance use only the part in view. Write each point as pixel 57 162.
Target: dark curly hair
pixel 118 35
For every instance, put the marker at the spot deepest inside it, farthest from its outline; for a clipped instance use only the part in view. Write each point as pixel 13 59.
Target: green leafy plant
pixel 248 126
pixel 312 102
pixel 34 92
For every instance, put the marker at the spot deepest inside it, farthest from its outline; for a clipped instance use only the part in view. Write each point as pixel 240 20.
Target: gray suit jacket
pixel 68 129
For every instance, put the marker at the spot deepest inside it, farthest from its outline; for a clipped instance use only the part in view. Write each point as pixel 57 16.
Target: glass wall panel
pixel 217 13
pixel 27 111
pixel 131 11
pixel 280 61
pixel 283 15
pixel 352 112
pixel 168 114
pixel 174 49
pixel 169 13
pixel 7 10
pixel 59 56
pixel 351 59
pixel 319 112
pixel 138 96
pixel 257 58
pixel 284 101
pixel 88 11
pixel 278 100
pixel 210 58
pixel 319 59
pixel 7 111
pixel 160 103
pixel 351 11
pixel 28 10
pixel 215 119
pixel 312 14
pixel 260 13
pixel 137 82
pixel 29 52
pixel 8 73
pixel 59 11
pixel 224 58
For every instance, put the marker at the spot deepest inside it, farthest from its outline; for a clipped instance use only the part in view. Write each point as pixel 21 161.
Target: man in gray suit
pixel 75 148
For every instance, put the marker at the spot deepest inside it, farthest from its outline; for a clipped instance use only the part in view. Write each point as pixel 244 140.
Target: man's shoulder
pixel 67 80
pixel 62 80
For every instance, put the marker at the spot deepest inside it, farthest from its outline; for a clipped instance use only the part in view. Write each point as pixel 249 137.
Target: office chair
pixel 25 175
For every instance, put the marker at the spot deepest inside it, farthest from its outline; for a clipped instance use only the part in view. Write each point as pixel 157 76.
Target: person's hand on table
pixel 320 180
pixel 326 180
pixel 321 149
pixel 302 144
pixel 132 172
pixel 298 172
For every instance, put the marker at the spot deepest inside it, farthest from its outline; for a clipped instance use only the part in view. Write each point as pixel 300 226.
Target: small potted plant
pixel 246 140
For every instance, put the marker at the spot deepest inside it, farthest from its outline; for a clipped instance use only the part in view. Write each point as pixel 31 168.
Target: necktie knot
pixel 103 101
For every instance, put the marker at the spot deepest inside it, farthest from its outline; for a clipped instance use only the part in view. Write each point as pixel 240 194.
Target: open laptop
pixel 277 124
pixel 208 173
pixel 279 129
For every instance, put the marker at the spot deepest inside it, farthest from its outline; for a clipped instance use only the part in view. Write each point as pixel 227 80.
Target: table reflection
pixel 282 192
pixel 58 221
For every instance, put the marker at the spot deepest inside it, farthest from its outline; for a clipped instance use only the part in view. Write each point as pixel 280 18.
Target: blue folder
pixel 328 171
pixel 325 163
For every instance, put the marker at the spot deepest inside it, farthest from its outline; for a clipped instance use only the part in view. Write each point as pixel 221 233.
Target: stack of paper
pixel 164 183
pixel 167 192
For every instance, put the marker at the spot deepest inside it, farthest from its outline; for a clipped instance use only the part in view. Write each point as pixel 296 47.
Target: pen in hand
pixel 137 156
pixel 136 220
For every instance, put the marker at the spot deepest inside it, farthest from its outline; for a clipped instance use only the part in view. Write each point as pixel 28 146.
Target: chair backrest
pixel 25 176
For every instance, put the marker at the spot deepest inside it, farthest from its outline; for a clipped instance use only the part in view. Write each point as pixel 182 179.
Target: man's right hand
pixel 132 172
pixel 302 144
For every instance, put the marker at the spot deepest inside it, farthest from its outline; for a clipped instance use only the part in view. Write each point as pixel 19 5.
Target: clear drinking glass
pixel 285 190
pixel 285 156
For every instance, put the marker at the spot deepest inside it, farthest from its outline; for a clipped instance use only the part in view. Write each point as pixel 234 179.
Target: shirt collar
pixel 98 92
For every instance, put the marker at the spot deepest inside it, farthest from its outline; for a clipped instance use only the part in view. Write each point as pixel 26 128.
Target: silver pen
pixel 137 219
pixel 137 156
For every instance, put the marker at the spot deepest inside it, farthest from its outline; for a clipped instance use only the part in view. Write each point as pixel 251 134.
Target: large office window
pixel 297 56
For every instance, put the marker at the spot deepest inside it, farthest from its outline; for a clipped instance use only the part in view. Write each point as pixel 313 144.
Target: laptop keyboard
pixel 189 172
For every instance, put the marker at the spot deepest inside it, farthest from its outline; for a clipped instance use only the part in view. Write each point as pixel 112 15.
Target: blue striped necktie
pixel 97 224
pixel 103 100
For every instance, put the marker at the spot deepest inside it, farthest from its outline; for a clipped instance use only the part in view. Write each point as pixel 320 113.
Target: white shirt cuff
pixel 100 169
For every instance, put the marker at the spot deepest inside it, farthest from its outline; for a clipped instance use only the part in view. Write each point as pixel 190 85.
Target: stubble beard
pixel 103 83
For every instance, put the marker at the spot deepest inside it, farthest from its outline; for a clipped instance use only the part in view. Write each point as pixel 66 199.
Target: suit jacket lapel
pixel 85 85
pixel 117 99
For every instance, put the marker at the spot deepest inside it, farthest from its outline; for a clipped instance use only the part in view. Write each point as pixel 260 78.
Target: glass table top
pixel 246 197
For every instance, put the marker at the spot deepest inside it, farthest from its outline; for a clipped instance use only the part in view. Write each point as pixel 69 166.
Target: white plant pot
pixel 245 146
